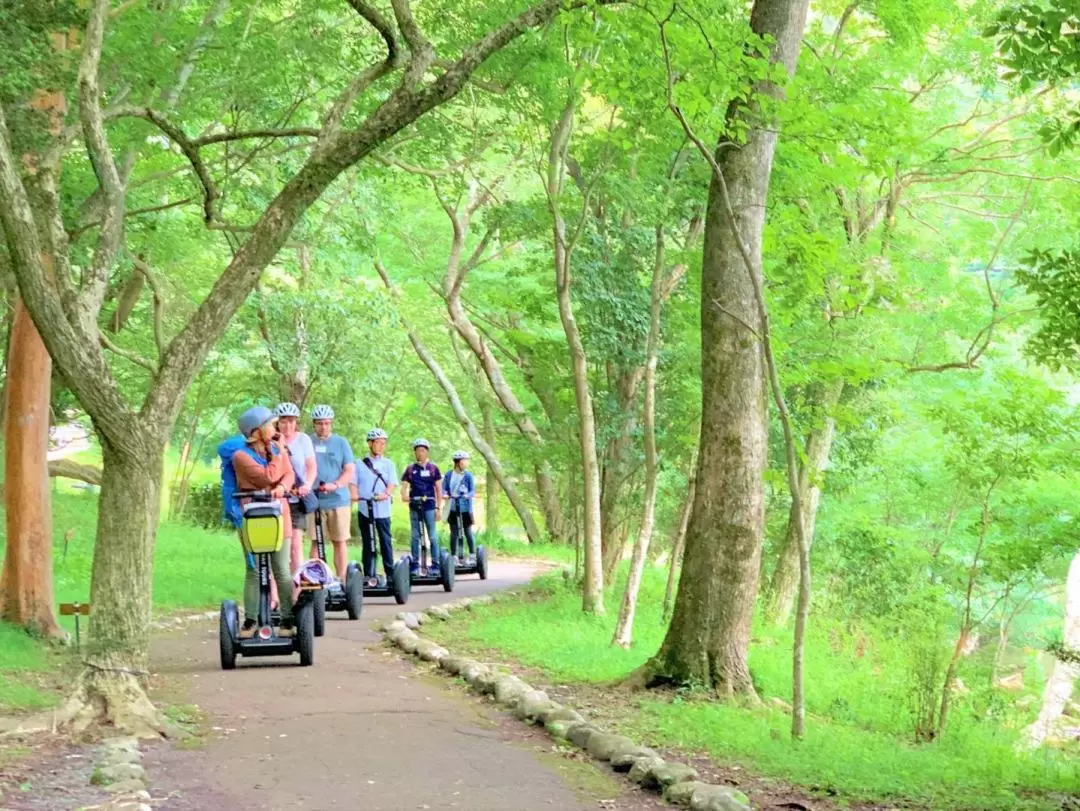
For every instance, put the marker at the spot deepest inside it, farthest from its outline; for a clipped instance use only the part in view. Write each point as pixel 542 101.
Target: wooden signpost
pixel 76 610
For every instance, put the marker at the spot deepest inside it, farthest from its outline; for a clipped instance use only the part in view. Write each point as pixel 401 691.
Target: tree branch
pixel 127 354
pixel 377 21
pixel 159 301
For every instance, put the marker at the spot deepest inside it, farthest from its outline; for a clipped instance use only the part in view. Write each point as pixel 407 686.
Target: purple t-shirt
pixel 423 482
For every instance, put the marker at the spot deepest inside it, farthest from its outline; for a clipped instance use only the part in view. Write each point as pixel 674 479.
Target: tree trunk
pixel 593 587
pixel 491 481
pixel 1059 686
pixel 678 539
pixel 709 636
pixel 614 474
pixel 111 689
pixel 624 629
pixel 785 579
pixel 26 587
pixel 69 469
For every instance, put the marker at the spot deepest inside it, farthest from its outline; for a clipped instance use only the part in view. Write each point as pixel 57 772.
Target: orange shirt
pixel 250 475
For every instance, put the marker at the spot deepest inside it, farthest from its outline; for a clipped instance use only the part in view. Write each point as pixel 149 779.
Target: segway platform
pixel 443 576
pixel 473 564
pixel 399 586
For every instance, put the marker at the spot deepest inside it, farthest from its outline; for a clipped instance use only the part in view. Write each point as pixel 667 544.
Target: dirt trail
pixel 359 729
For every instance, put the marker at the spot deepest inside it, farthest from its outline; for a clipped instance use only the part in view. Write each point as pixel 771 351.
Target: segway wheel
pixel 446 571
pixel 402 581
pixel 227 627
pixel 319 600
pixel 481 562
pixel 354 595
pixel 305 633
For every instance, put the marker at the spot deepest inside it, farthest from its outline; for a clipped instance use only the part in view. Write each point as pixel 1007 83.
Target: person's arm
pixel 405 484
pixel 354 485
pixel 347 476
pixel 250 475
pixel 471 484
pixel 311 467
pixel 391 481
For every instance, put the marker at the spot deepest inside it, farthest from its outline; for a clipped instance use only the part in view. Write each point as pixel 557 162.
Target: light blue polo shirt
pixel 368 484
pixel 331 456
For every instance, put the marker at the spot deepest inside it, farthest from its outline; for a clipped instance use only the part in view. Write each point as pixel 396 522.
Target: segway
pixel 335 598
pixel 467 564
pixel 376 585
pixel 262 533
pixel 425 576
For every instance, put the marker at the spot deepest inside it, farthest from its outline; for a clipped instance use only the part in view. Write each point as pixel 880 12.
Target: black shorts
pixel 465 518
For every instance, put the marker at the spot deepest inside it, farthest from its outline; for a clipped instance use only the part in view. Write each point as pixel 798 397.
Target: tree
pixel 709 635
pixel 133 440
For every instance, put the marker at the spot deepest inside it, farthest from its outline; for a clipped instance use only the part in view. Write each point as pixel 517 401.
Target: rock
pixel 395 627
pixel 474 671
pixel 718 798
pixel 452 664
pixel 483 599
pixel 421 618
pixel 122 742
pixel 486 682
pixel 400 615
pixel 411 622
pixel 509 689
pixel 115 756
pixel 561 713
pixel 532 705
pixel 642 770
pixel 579 733
pixel 439 612
pixel 671 773
pixel 464 602
pixel 127 788
pixel 107 775
pixel 603 745
pixel 407 641
pixel 430 651
pixel 558 729
pixel 624 759
pixel 681 793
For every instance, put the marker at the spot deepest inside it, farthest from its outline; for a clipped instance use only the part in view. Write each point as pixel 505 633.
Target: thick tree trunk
pixel 785 579
pixel 1059 686
pixel 624 628
pixel 26 588
pixel 111 688
pixel 491 481
pixel 709 636
pixel 614 475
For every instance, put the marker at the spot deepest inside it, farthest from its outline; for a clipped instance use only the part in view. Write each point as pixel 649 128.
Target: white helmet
pixel 459 455
pixel 421 443
pixel 287 410
pixel 376 433
pixel 322 412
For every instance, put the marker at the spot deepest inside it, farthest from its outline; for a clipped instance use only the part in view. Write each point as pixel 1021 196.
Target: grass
pixel 857 746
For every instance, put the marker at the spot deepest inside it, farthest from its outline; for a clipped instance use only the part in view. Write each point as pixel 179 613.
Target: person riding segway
pixel 348 598
pixel 459 489
pixel 373 489
pixel 264 475
pixel 419 489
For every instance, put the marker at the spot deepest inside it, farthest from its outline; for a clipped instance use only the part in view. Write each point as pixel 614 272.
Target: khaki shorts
pixel 336 525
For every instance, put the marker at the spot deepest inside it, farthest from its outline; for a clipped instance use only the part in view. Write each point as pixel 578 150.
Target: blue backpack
pixel 231 507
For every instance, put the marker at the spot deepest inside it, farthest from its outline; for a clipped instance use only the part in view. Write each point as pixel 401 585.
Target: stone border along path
pixel 677 782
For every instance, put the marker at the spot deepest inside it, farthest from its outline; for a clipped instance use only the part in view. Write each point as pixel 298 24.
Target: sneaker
pixel 414 570
pixel 434 571
pixel 287 629
pixel 248 630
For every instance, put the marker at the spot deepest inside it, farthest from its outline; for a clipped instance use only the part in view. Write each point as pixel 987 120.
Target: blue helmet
pixel 254 418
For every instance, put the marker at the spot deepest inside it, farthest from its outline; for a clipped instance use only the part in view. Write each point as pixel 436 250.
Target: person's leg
pixel 433 535
pixel 414 526
pixel 279 565
pixel 453 534
pixel 368 555
pixel 387 544
pixel 340 530
pixel 251 595
pixel 466 523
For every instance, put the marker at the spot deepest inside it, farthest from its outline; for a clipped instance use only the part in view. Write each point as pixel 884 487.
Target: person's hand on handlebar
pixel 278 492
pixel 329 487
pixel 303 490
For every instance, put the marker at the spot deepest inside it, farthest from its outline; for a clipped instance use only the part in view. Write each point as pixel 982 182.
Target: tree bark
pixel 593 587
pixel 111 688
pixel 26 588
pixel 68 469
pixel 785 579
pixel 709 636
pixel 624 628
pixel 614 474
pixel 1059 687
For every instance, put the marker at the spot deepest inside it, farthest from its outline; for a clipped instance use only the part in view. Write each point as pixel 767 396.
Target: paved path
pixel 359 729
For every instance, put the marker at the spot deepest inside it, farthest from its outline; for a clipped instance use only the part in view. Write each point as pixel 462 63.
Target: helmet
pixel 421 443
pixel 376 433
pixel 254 418
pixel 322 412
pixel 459 455
pixel 287 410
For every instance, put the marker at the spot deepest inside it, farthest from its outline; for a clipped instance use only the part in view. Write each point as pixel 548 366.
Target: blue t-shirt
pixel 369 485
pixel 331 456
pixel 423 482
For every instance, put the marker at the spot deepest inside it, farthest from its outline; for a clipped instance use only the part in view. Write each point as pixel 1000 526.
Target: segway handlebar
pixel 257 495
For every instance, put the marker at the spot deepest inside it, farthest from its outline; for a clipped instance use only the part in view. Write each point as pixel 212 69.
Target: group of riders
pixel 317 475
